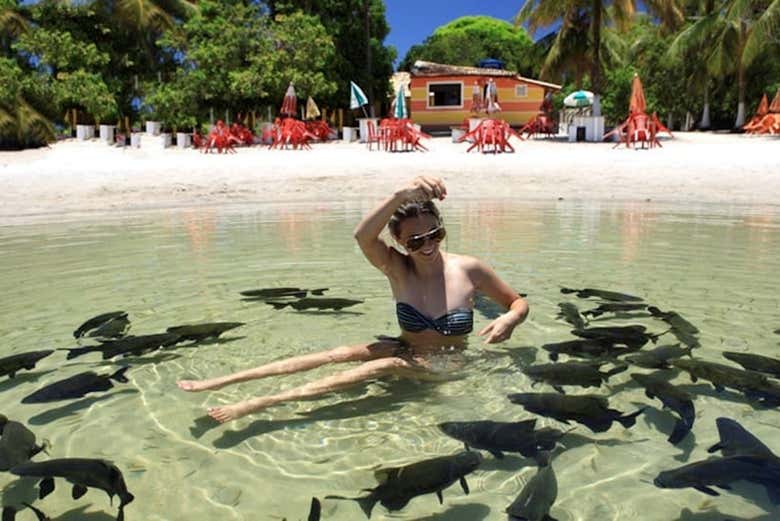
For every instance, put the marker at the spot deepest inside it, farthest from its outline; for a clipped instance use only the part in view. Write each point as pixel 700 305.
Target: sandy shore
pixel 78 178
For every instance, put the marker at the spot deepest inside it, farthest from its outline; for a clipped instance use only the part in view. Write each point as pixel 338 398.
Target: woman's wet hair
pixel 409 210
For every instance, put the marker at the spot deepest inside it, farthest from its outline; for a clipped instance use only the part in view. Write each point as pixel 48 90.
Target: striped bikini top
pixel 459 321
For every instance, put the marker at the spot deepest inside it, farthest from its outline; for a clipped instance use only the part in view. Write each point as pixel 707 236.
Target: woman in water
pixel 434 292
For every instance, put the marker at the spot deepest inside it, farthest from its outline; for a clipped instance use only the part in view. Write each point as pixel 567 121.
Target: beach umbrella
pixel 775 106
pixel 579 98
pixel 312 111
pixel 357 98
pixel 763 107
pixel 400 111
pixel 290 102
pixel 637 103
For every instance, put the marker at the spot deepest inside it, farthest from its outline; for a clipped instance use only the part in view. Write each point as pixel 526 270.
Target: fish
pixel 17 443
pixel 776 331
pixel 754 385
pixel 316 303
pixel 675 399
pixel 762 364
pixel 613 307
pixel 735 440
pixel 9 513
pixel 10 365
pixel 83 473
pixel 282 292
pixel 571 314
pixel 198 332
pixel 76 386
pixel 659 357
pixel 315 510
pixel 583 348
pixel 721 473
pixel 589 410
pixel 536 499
pixel 602 294
pixel 500 437
pixel 130 345
pixel 680 328
pixel 633 337
pixel 108 325
pixel 397 486
pixel 571 373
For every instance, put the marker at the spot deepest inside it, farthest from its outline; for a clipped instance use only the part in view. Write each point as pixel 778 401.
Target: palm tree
pixel 618 13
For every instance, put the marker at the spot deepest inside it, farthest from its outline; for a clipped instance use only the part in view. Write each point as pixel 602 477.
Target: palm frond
pixel 766 29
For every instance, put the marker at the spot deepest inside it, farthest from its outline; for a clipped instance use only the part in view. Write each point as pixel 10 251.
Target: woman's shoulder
pixel 465 262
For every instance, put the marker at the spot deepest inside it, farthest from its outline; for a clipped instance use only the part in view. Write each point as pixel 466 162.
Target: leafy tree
pixel 22 125
pixel 467 40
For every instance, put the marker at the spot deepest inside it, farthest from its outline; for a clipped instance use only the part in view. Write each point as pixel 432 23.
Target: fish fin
pixel 617 370
pixel 496 453
pixel 707 490
pixel 278 305
pixel 319 291
pixel 649 394
pixel 554 357
pixel 464 485
pixel 46 487
pixel 9 514
pixel 76 351
pixel 440 496
pixel 315 510
pixel 78 491
pixel 366 503
pixel 559 389
pixel 681 430
pixel 694 378
pixel 119 376
pixel 629 420
pixel 715 448
pixel 543 458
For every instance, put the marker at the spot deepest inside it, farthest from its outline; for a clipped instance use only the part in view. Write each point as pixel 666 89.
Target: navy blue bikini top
pixel 459 321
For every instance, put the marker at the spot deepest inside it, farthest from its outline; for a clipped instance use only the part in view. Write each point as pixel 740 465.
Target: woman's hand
pixel 498 330
pixel 424 188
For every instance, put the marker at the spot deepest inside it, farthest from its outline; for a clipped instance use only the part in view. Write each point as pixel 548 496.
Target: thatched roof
pixel 423 68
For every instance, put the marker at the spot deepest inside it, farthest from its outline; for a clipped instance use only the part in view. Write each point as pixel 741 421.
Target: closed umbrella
pixel 290 102
pixel 579 98
pixel 637 104
pixel 400 111
pixel 312 110
pixel 774 107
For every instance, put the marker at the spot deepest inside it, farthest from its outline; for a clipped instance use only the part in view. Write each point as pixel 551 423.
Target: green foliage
pixel 22 125
pixel 467 40
pixel 173 104
pixel 59 50
pixel 86 90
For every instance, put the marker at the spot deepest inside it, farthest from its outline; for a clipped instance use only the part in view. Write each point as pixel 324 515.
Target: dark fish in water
pixel 536 499
pixel 198 332
pixel 282 292
pixel 680 328
pixel 76 386
pixel 756 386
pixel 83 473
pixel 735 440
pixel 108 325
pixel 10 365
pixel 500 437
pixel 589 410
pixel 571 373
pixel 315 510
pixel 571 314
pixel 678 401
pixel 659 357
pixel 17 443
pixel 633 337
pixel 584 348
pixel 602 294
pixel 721 473
pixel 613 307
pixel 131 345
pixel 762 364
pixel 400 485
pixel 9 513
pixel 776 331
pixel 316 303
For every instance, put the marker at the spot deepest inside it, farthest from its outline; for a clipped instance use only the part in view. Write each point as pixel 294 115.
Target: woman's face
pixel 416 226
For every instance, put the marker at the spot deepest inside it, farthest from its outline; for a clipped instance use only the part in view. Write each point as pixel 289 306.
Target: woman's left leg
pixel 364 372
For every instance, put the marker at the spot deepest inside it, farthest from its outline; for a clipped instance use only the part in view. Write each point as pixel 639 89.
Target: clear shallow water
pixel 717 267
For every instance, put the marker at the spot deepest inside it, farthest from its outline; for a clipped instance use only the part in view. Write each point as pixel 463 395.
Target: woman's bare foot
pixel 199 385
pixel 228 413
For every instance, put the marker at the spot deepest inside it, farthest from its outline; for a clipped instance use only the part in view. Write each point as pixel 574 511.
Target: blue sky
pixel 411 21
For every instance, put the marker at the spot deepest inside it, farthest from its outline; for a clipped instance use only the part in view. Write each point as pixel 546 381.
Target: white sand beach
pixel 82 178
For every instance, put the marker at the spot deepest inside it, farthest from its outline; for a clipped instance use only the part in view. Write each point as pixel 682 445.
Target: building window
pixel 521 91
pixel 445 95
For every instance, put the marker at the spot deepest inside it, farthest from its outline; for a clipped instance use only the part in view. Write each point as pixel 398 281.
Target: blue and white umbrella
pixel 579 98
pixel 400 111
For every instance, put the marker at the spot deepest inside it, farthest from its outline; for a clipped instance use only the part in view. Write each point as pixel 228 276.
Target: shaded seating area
pixel 395 135
pixel 766 119
pixel 639 127
pixel 491 136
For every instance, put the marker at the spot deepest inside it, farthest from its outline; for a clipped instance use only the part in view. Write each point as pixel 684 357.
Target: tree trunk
pixel 740 97
pixel 670 121
pixel 595 74
pixel 704 124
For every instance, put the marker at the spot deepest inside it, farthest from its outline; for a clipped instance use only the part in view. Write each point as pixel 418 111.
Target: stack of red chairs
pixel 396 134
pixel 290 132
pixel 491 135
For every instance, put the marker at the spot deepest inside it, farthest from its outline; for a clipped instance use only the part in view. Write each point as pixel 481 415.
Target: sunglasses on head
pixel 416 242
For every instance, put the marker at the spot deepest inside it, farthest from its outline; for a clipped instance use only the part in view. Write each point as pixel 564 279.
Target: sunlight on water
pixel 717 267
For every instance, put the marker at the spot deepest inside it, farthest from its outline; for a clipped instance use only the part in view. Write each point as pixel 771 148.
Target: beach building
pixel 441 95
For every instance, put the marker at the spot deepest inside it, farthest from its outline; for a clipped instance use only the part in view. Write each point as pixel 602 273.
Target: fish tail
pixel 629 420
pixel 119 376
pixel 278 305
pixel 366 503
pixel 617 370
pixel 681 430
pixel 319 291
pixel 566 291
pixel 74 352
